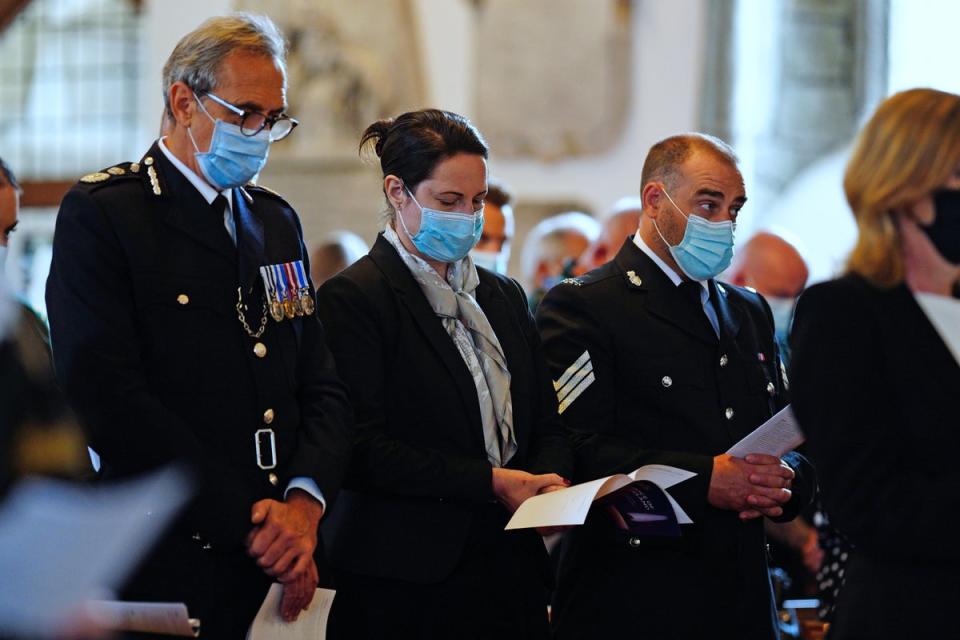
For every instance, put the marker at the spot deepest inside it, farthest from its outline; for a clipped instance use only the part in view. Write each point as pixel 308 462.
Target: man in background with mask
pixel 551 249
pixel 654 361
pixel 621 221
pixel 493 250
pixel 772 265
pixel 182 324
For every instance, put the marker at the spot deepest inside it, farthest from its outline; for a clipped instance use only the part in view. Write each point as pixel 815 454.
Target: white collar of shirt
pixel 657 260
pixel 209 193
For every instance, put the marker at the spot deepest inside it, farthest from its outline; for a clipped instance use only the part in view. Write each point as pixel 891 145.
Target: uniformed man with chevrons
pixel 654 361
pixel 183 329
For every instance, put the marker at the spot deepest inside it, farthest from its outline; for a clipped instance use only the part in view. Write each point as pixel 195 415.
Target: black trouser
pixel 498 590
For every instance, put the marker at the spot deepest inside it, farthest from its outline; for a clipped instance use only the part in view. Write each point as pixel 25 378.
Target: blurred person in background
pixel 336 252
pixel 551 250
pixel 874 386
pixel 620 223
pixel 9 208
pixel 771 264
pixel 493 250
pixel 38 434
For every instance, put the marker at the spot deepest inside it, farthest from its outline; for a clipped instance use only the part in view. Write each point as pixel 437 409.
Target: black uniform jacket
pixel 642 378
pixel 419 473
pixel 875 389
pixel 147 344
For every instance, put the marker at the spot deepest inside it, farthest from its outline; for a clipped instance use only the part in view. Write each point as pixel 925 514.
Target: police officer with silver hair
pixel 183 328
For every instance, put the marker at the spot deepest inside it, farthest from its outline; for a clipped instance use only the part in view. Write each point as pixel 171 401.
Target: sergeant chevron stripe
pixel 574 381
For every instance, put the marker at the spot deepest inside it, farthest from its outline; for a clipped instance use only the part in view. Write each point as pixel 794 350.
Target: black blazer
pixel 148 348
pixel 875 389
pixel 663 389
pixel 419 469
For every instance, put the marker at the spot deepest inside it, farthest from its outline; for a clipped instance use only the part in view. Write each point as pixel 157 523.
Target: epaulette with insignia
pixel 574 281
pixel 126 169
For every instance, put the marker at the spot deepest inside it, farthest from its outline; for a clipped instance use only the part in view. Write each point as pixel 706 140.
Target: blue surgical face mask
pixel 233 159
pixel 706 248
pixel 495 261
pixel 782 309
pixel 445 236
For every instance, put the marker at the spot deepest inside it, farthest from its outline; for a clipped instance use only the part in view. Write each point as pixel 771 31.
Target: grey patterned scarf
pixel 467 325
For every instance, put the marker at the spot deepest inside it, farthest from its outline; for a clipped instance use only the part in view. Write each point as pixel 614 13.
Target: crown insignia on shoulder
pixel 92 178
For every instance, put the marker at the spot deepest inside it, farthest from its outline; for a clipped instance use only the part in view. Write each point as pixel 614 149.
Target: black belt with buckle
pixel 266 444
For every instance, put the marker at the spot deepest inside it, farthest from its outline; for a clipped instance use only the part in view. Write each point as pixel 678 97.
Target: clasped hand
pixel 512 487
pixel 757 485
pixel 282 542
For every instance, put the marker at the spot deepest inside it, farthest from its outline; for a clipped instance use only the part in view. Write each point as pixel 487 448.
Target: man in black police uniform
pixel 163 340
pixel 656 362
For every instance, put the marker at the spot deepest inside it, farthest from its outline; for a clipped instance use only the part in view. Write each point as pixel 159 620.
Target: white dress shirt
pixel 675 278
pixel 209 193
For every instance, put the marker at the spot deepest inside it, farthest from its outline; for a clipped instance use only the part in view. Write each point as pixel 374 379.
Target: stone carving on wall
pixel 349 64
pixel 553 76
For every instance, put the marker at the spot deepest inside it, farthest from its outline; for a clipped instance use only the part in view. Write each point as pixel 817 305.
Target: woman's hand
pixel 512 487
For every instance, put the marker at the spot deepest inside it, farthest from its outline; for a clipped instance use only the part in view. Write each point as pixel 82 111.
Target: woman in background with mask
pixel 456 418
pixel 874 385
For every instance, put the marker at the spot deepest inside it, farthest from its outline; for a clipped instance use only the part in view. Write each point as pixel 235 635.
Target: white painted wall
pixel 667 66
pixel 165 22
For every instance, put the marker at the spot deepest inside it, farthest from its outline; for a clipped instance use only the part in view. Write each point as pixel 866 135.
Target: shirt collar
pixel 657 260
pixel 209 193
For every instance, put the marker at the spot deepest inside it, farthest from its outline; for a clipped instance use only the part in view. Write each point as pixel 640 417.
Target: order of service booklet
pixel 638 502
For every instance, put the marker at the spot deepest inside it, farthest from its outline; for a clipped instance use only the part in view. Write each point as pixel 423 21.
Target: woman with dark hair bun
pixel 456 418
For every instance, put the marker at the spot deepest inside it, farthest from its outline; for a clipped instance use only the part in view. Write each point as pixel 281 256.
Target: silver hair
pixel 547 240
pixel 196 59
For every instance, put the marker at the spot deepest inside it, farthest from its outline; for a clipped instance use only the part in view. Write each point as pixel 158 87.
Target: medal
pixel 293 290
pixel 283 293
pixel 306 301
pixel 308 305
pixel 269 285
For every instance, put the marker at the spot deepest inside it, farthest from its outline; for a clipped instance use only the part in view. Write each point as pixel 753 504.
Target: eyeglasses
pixel 253 122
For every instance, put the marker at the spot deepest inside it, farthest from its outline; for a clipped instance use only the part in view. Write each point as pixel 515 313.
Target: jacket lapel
pixel 186 210
pixel 410 295
pixel 663 298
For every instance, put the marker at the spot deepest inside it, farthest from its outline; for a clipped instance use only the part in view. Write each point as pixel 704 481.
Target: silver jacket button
pixel 729 413
pixel 666 381
pixel 724 360
pixel 634 542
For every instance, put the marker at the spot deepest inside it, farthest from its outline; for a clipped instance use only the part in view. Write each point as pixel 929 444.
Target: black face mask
pixel 945 230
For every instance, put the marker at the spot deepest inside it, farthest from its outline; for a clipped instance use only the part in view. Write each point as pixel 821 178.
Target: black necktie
pixel 690 289
pixel 219 205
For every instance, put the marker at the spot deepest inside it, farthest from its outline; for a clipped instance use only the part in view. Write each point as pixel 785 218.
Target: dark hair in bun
pixel 411 145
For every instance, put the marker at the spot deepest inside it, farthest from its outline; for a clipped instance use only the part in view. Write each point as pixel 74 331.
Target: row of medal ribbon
pixel 288 290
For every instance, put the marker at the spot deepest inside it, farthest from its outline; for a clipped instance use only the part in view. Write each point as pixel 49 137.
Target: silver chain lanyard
pixel 241 307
